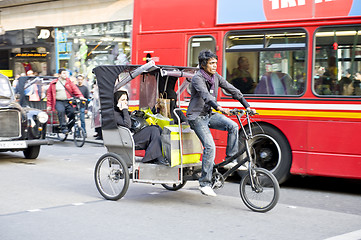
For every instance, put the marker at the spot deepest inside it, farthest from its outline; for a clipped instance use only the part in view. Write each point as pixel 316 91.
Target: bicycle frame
pixel 248 135
pixel 77 102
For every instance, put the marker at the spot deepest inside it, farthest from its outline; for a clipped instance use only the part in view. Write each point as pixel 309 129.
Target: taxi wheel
pixel 32 152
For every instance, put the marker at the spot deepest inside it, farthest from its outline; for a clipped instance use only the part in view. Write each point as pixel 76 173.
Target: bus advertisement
pixel 297 62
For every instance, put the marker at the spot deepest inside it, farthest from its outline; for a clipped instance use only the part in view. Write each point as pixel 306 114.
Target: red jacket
pixel 51 94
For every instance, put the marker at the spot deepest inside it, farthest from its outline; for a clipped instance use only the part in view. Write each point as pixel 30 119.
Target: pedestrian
pixel 204 91
pixel 96 116
pixel 59 92
pixel 83 107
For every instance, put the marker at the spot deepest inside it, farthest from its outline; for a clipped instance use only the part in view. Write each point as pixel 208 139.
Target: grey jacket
pixel 202 101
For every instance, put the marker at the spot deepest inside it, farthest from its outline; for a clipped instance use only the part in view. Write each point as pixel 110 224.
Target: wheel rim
pixel 111 178
pixel 267 151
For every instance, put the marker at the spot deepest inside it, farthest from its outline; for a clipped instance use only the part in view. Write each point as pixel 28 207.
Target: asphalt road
pixel 54 197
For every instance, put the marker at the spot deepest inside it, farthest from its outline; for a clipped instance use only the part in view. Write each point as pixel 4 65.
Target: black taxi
pixel 21 129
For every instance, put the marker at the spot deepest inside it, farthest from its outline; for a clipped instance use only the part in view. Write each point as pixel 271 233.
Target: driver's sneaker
pixel 207 190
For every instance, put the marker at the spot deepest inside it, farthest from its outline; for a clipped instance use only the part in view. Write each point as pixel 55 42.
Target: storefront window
pixel 266 63
pixel 25 50
pixel 81 48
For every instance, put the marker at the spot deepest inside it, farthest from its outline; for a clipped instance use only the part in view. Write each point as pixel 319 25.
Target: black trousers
pixel 148 139
pixel 64 107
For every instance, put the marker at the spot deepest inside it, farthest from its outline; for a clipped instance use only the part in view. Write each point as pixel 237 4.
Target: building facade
pixel 45 35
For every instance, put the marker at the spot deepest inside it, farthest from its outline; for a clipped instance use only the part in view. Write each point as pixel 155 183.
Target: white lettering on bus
pixel 292 3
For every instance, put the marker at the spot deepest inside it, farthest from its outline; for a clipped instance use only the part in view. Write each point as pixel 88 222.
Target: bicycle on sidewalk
pixel 259 189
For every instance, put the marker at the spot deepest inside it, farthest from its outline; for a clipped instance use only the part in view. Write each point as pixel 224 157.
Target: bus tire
pixel 272 151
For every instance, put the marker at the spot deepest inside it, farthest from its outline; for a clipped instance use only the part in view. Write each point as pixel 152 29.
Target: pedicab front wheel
pixel 111 176
pixel 260 191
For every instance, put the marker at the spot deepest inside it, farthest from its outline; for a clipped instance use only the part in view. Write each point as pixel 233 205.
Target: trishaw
pixel 259 189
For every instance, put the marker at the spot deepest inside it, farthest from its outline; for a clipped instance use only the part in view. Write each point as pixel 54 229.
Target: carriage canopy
pixel 154 79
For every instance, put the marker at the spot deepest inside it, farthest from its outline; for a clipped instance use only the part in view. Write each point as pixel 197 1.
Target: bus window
pixel 337 63
pixel 266 63
pixel 196 44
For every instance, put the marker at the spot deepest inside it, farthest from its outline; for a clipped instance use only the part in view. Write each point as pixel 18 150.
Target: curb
pixel 100 142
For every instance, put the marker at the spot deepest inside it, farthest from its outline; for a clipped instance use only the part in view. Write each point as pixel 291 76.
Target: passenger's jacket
pixel 202 101
pixel 122 118
pixel 71 89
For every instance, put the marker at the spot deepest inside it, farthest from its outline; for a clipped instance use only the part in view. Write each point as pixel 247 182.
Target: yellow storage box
pixel 192 147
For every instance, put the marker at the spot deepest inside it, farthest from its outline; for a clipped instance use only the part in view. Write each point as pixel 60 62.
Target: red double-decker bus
pixel 297 62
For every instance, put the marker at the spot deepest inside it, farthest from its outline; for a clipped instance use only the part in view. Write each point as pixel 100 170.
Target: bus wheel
pixel 272 151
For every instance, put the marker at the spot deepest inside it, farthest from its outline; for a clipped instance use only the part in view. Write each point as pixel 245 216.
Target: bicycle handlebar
pixel 77 100
pixel 236 111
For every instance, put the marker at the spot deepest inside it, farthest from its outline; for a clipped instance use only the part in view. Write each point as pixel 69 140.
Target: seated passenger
pixel 347 88
pixel 241 78
pixel 275 83
pixel 345 84
pixel 147 138
pixel 326 86
pixel 357 84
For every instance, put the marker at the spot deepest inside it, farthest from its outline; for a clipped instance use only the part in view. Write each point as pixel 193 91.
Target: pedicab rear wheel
pixel 111 176
pixel 174 187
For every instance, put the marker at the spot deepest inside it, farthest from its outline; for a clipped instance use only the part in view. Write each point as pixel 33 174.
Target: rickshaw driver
pixel 204 89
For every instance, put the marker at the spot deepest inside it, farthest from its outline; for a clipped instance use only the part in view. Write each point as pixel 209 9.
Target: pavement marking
pixel 34 210
pixel 54 207
pixel 78 204
pixel 356 235
pixel 154 193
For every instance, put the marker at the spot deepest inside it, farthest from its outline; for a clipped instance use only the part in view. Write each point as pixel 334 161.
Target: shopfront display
pixel 80 48
pixel 23 50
